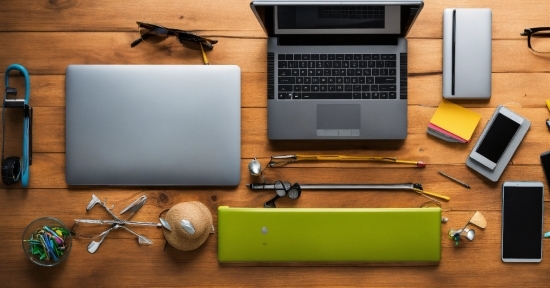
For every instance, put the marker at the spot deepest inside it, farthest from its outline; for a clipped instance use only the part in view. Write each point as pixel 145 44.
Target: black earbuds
pixel 11 170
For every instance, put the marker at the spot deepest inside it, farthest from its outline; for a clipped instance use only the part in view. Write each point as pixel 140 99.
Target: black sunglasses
pixel 154 34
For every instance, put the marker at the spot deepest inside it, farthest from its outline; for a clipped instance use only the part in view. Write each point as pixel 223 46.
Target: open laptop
pixel 153 125
pixel 339 235
pixel 337 69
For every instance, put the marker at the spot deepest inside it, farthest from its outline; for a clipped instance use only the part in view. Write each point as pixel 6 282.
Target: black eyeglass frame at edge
pixel 530 31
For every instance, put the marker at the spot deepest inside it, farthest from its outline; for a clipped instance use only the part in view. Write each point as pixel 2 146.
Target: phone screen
pixel 545 161
pixel 498 137
pixel 522 215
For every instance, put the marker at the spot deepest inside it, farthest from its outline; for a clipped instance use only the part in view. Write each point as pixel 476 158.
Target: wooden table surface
pixel 46 36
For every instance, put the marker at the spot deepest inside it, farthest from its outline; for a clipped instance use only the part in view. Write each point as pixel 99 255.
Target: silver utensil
pixel 92 247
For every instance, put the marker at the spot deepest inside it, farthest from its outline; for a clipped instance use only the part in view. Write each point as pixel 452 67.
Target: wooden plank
pixel 66 48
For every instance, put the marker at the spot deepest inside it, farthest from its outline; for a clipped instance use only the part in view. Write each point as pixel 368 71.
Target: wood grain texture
pixel 46 36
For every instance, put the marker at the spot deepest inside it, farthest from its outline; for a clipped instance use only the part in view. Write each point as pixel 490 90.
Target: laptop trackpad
pixel 338 119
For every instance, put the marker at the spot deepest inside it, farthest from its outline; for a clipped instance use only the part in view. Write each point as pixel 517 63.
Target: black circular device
pixel 11 170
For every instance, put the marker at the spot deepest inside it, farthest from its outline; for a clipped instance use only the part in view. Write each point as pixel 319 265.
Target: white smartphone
pixel 522 217
pixel 503 127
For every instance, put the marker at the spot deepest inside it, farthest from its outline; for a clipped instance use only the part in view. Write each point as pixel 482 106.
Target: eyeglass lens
pixel 152 34
pixel 540 41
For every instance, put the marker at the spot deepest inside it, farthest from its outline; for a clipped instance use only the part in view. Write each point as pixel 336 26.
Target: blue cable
pixel 26 122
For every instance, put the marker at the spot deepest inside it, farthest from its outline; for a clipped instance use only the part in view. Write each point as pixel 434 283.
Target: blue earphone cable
pixel 26 123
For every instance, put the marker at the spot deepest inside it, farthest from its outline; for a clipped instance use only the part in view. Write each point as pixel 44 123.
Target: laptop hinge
pixel 331 40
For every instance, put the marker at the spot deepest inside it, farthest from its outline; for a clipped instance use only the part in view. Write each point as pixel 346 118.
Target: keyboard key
pixel 311 64
pixel 303 72
pixel 297 88
pixel 331 80
pixel 392 95
pixel 319 64
pixel 307 80
pixel 318 72
pixel 281 57
pixel 374 88
pixel 385 80
pixel 345 64
pixel 331 57
pixel 292 64
pixel 284 96
pixel 289 57
pixel 296 95
pixel 331 88
pixel 299 80
pixel 356 95
pixel 391 72
pixel 356 87
pixel 383 95
pixel 327 72
pixel 286 80
pixel 323 88
pixel 295 72
pixel 282 64
pixel 375 56
pixel 366 72
pixel 336 64
pixel 284 72
pixel 339 87
pixel 315 80
pixel 348 57
pixel 306 57
pixel 365 88
pixel 306 88
pixel 302 64
pixel 375 72
pixel 365 95
pixel 387 87
pixel 327 95
pixel 285 88
pixel 367 57
pixel 339 56
pixel 314 56
pixel 348 87
pixel 379 64
pixel 388 57
pixel 323 57
pixel 384 72
pixel 327 64
pixel 390 64
pixel 315 88
pixel 375 95
pixel 371 64
pixel 297 56
pixel 357 57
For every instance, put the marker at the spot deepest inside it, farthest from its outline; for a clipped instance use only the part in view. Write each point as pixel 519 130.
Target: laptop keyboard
pixel 337 76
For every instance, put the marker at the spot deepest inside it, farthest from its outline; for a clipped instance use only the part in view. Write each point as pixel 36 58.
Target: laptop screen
pixel 337 19
pixel 343 17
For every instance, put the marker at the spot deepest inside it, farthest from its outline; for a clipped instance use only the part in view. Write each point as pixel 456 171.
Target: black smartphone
pixel 522 221
pixel 545 161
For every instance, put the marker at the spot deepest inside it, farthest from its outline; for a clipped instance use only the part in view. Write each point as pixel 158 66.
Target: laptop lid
pixel 382 235
pixel 380 18
pixel 153 125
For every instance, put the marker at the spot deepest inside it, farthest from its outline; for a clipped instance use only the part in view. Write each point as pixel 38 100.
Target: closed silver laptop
pixel 153 125
pixel 337 69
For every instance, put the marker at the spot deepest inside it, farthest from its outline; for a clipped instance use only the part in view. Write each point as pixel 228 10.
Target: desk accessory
pixel 153 34
pixel 282 160
pixel 47 241
pixel 537 39
pixel 294 191
pixel 167 134
pixel 522 221
pixel 187 225
pixel 329 235
pixel 372 105
pixel 115 223
pixel 453 123
pixel 498 142
pixel 467 44
pixel 454 179
pixel 15 168
pixel 478 220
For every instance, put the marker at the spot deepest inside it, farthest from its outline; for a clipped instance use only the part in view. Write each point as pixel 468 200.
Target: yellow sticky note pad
pixel 548 104
pixel 456 119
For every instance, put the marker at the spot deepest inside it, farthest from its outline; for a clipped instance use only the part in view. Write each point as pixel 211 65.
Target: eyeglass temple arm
pixel 136 42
